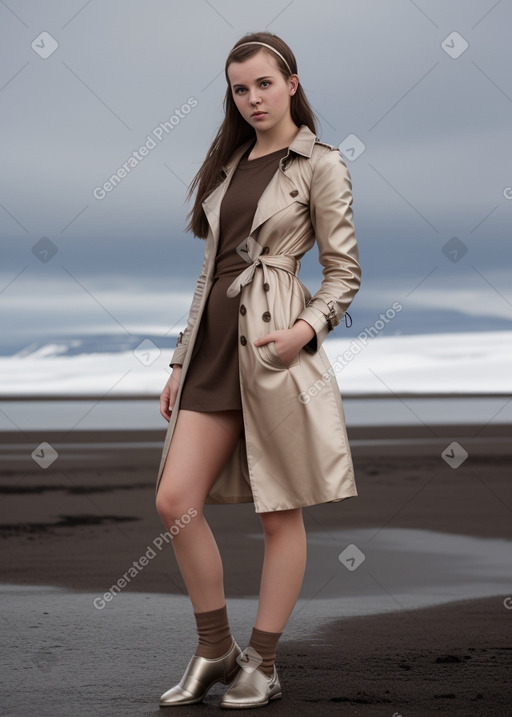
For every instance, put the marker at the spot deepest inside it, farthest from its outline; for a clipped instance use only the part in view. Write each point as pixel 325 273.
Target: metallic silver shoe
pixel 251 689
pixel 200 675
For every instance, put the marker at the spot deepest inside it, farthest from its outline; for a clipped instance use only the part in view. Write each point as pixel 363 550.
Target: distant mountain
pixel 56 345
pixel 363 363
pixel 406 322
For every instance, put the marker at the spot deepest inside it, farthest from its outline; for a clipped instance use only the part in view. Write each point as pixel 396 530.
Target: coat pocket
pixel 270 357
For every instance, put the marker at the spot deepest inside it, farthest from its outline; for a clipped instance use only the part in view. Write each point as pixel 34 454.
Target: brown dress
pixel 212 380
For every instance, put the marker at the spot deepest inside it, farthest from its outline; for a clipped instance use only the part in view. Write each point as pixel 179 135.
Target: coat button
pixel 243 340
pixel 243 310
pixel 266 286
pixel 294 193
pixel 266 316
pixel 265 250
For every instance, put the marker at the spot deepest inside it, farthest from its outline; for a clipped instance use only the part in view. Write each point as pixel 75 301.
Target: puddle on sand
pixel 387 569
pixel 402 569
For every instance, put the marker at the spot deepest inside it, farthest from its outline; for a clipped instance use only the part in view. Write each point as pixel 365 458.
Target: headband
pixel 270 48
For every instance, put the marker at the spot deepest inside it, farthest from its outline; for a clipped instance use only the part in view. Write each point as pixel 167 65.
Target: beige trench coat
pixel 293 450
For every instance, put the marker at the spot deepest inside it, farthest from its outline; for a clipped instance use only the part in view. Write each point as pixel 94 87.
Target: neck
pixel 280 136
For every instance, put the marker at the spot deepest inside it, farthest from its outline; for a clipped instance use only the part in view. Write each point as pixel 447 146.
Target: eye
pixel 238 90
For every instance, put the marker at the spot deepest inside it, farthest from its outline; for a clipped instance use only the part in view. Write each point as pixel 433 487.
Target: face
pixel 257 85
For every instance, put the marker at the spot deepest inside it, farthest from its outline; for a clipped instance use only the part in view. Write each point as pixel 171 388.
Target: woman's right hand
pixel 168 395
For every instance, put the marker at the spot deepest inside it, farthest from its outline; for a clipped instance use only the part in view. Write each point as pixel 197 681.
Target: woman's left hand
pixel 288 342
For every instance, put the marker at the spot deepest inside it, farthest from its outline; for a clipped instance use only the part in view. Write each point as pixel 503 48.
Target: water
pixel 144 414
pixel 394 569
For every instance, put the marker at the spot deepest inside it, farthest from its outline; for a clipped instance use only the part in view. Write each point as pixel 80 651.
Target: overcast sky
pixel 433 110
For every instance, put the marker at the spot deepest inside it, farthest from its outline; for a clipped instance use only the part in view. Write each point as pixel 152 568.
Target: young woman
pixel 253 404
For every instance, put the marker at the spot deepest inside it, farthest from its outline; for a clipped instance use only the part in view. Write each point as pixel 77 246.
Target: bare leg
pixel 284 565
pixel 200 446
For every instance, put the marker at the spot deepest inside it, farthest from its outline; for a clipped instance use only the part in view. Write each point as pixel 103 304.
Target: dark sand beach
pixel 435 639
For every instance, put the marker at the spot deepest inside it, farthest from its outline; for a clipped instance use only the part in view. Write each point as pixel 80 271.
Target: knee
pixel 280 521
pixel 173 505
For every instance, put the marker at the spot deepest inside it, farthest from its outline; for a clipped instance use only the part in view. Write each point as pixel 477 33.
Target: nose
pixel 254 97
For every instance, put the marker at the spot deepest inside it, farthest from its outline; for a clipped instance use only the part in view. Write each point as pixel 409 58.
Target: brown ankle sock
pixel 214 633
pixel 265 644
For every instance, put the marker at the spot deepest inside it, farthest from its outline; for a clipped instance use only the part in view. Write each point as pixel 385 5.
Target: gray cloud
pixel 436 129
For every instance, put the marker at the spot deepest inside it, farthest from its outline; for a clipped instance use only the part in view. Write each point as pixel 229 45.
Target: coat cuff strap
pixel 321 324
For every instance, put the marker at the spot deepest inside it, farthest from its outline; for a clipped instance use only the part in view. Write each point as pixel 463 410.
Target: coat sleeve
pixel 332 220
pixel 184 336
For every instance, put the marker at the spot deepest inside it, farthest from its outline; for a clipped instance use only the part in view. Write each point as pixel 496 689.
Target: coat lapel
pixel 278 194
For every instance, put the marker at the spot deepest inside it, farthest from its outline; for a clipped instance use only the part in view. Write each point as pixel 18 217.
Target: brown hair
pixel 234 130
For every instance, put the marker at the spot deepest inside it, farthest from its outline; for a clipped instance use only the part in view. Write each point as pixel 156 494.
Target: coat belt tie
pixel 281 261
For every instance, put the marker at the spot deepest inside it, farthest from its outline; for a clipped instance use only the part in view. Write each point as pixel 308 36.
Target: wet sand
pixel 73 529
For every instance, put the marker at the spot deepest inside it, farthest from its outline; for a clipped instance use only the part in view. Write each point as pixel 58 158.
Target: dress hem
pixel 211 410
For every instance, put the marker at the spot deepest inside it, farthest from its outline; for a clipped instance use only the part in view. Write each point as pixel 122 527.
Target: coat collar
pixel 277 195
pixel 302 144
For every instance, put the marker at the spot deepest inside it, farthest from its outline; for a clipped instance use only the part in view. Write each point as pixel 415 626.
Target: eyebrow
pixel 258 79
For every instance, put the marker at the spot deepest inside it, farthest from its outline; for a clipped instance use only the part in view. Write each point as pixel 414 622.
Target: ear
pixel 293 83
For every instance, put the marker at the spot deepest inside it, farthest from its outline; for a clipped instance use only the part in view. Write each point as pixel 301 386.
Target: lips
pixel 258 114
